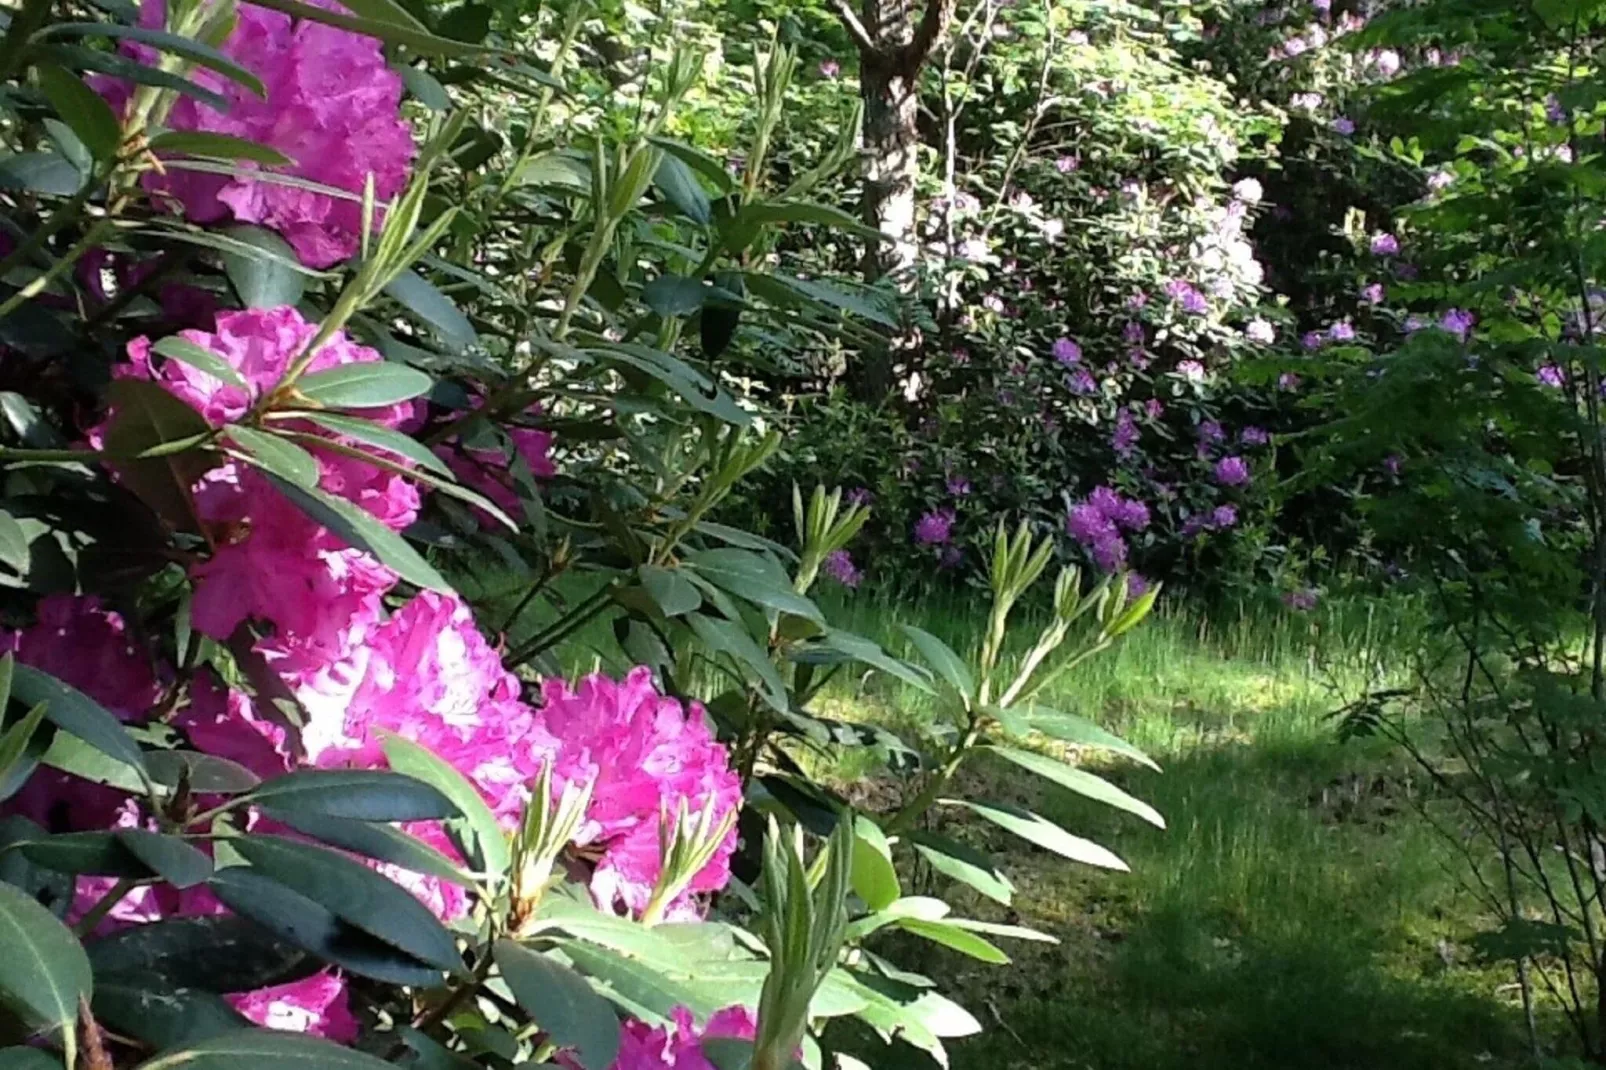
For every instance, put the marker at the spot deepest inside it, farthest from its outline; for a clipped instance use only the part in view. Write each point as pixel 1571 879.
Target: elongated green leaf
pixel 145 417
pixel 262 267
pixel 562 1004
pixel 639 988
pixel 355 894
pixel 75 712
pixel 265 1049
pixel 419 296
pixel 386 11
pixel 194 51
pixel 43 970
pixel 730 637
pixel 40 172
pixel 672 295
pixel 692 385
pixel 273 454
pixel 28 1059
pixel 200 358
pixel 99 854
pixel 864 650
pixel 363 531
pixel 14 551
pixel 964 864
pixel 757 589
pixel 217 953
pixel 1080 732
pixel 370 385
pixel 83 109
pixel 1042 832
pixel 673 593
pixel 180 864
pixel 221 146
pixel 146 1009
pixel 14 744
pixel 72 755
pixel 355 794
pixel 488 842
pixel 205 773
pixel 698 160
pixel 679 186
pixel 966 943
pixel 941 657
pixel 1015 932
pixel 806 212
pixel 874 878
pixel 1080 781
pixel 79 57
pixel 374 434
pixel 374 840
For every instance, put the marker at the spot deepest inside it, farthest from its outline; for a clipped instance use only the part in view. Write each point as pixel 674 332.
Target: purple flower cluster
pixel 1385 244
pixel 1125 439
pixel 1232 471
pixel 838 564
pixel 1187 296
pixel 1066 351
pixel 935 528
pixel 1098 520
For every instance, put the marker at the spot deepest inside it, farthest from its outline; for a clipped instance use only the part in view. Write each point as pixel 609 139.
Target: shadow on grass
pixel 1296 915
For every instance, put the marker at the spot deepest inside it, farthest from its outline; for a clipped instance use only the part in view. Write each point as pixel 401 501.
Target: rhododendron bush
pixel 349 376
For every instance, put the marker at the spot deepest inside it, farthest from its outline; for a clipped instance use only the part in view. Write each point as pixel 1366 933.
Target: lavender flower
pixel 1385 244
pixel 1312 340
pixel 1066 164
pixel 1066 351
pixel 1137 585
pixel 958 486
pixel 1082 382
pixel 1191 370
pixel 1344 125
pixel 1125 439
pixel 1342 331
pixel 1551 375
pixel 830 68
pixel 859 496
pixel 1222 517
pixel 1372 294
pixel 1458 321
pixel 1132 333
pixel 1254 436
pixel 1258 330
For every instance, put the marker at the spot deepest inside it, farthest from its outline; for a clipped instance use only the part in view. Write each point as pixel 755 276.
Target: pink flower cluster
pixel 1098 520
pixel 332 108
pixel 315 610
pixel 678 1045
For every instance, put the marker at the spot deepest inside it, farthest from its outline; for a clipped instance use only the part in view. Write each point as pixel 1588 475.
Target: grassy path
pixel 1297 914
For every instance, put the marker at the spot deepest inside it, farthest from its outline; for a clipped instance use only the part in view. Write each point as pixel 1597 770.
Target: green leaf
pixel 262 268
pixel 206 774
pixel 672 592
pixel 194 51
pixel 864 650
pixel 369 385
pixel 145 1008
pixel 561 1004
pixel 874 878
pixel 40 172
pixel 14 551
pixel 72 755
pixel 355 794
pixel 673 295
pixel 637 987
pixel 731 637
pixel 964 864
pixel 273 454
pixel 1080 781
pixel 747 576
pixel 698 160
pixel 702 392
pixel 419 296
pixel 806 212
pixel 216 953
pixel 679 186
pixel 203 360
pixel 785 291
pixel 80 57
pixel 355 894
pixel 488 848
pixel 941 657
pixel 1080 732
pixel 43 970
pixel 265 1049
pixel 14 744
pixel 361 530
pixel 220 146
pixel 966 943
pixel 145 416
pixel 386 11
pixel 377 841
pixel 419 41
pixel 83 109
pixel 467 22
pixel 75 712
pixel 28 1059
pixel 1042 832
pixel 98 854
pixel 180 864
pixel 374 434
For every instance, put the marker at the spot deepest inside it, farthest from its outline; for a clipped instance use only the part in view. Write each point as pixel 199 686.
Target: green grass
pixel 1296 913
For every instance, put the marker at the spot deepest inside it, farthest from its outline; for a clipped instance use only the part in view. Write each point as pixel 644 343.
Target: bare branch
pixel 933 25
pixel 855 28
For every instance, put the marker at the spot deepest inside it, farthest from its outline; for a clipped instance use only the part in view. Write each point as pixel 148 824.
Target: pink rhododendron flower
pixel 646 755
pixel 332 107
pixel 317 1005
pixel 489 469
pixel 678 1045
